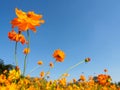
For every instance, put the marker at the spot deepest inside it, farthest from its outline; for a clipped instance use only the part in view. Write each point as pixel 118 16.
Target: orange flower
pixel 104 79
pixel 82 77
pixel 40 62
pixel 87 59
pixel 42 74
pixel 26 51
pixel 59 55
pixel 105 70
pixel 51 64
pixel 18 37
pixel 25 21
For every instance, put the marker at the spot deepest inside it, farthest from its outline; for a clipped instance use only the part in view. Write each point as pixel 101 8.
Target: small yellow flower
pixel 82 78
pixel 40 63
pixel 26 51
pixel 42 74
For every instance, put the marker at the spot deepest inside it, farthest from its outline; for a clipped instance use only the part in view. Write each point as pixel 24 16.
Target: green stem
pixel 24 65
pixel 33 69
pixel 49 69
pixel 72 67
pixel 16 61
pixel 25 59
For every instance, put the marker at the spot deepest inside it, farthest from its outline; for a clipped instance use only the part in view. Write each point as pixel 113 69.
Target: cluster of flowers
pixel 12 80
pixel 15 80
pixel 24 21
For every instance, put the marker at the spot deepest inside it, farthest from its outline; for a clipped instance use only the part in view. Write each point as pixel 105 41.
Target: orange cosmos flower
pixel 59 55
pixel 18 37
pixel 105 70
pixel 51 64
pixel 82 78
pixel 87 59
pixel 40 62
pixel 25 21
pixel 42 74
pixel 26 51
pixel 104 79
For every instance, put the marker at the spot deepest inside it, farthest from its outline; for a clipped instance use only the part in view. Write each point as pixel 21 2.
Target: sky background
pixel 81 28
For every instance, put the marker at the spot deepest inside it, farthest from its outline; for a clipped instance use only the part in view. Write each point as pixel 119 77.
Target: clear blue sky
pixel 81 28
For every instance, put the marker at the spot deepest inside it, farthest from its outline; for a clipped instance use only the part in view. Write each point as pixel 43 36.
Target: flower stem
pixel 33 70
pixel 25 59
pixel 16 61
pixel 49 69
pixel 72 67
pixel 25 65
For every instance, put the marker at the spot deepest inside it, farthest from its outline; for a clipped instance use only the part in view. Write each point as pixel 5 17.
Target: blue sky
pixel 81 28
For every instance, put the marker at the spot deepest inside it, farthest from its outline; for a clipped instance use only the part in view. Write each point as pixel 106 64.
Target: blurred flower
pixel 26 51
pixel 87 59
pixel 66 75
pixel 40 62
pixel 105 70
pixel 13 74
pixel 51 64
pixel 42 74
pixel 25 21
pixel 17 68
pixel 74 80
pixel 82 78
pixel 104 79
pixel 59 55
pixel 5 71
pixel 18 37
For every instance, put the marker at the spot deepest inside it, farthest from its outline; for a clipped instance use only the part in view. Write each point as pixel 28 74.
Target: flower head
pixel 25 21
pixel 82 78
pixel 105 70
pixel 59 55
pixel 40 62
pixel 13 74
pixel 26 51
pixel 42 74
pixel 104 79
pixel 87 59
pixel 18 37
pixel 51 64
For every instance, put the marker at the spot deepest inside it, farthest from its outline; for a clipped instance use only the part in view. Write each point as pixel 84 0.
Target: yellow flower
pixel 13 74
pixel 59 55
pixel 26 51
pixel 18 37
pixel 40 62
pixel 42 74
pixel 25 21
pixel 82 78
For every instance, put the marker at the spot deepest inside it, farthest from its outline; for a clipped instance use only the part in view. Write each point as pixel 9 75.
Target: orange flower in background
pixel 40 62
pixel 104 79
pixel 51 64
pixel 87 59
pixel 42 74
pixel 82 78
pixel 26 51
pixel 25 21
pixel 105 70
pixel 59 55
pixel 18 37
